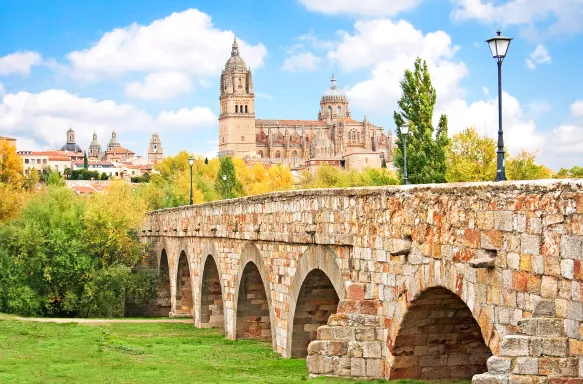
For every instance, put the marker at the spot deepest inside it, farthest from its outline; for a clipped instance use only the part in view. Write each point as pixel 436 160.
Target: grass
pixel 33 352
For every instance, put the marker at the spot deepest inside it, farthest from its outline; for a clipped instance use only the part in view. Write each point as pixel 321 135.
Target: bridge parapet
pixel 455 272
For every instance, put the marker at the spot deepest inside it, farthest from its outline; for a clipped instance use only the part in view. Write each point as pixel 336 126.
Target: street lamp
pixel 191 163
pixel 225 186
pixel 405 132
pixel 499 47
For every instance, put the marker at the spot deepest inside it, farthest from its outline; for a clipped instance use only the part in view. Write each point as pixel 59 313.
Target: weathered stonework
pixel 435 281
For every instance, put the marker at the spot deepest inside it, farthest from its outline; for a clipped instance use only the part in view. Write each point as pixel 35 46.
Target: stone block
pixel 572 247
pixel 317 347
pixel 372 349
pixel 525 366
pixel 513 345
pixel 355 291
pixel 569 367
pixel 544 308
pixel 375 368
pixel 488 378
pixel 530 244
pixel 325 332
pixel 320 365
pixel 576 347
pixel 343 333
pixel 549 287
pixel 503 220
pixel 549 346
pixel 435 373
pixel 541 327
pixel 365 334
pixel 337 348
pixel 499 365
pixel 357 367
pixel 355 349
pixel 492 240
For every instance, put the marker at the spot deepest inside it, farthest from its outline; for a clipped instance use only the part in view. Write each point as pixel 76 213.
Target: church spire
pixel 235 48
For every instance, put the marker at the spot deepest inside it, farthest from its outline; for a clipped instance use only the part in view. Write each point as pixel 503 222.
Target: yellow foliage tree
pixel 279 178
pixel 10 164
pixel 471 157
pixel 523 167
pixel 11 200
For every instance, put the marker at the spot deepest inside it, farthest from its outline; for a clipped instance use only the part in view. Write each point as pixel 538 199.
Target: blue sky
pixel 149 66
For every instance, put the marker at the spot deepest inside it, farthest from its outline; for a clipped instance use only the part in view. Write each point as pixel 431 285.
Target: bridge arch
pixel 209 312
pixel 184 294
pixel 163 290
pixel 317 269
pixel 252 270
pixel 438 339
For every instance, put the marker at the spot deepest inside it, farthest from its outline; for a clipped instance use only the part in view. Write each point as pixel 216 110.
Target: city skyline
pixel 149 67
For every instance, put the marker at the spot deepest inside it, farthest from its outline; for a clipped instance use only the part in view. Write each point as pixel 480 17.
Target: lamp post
pixel 225 186
pixel 191 163
pixel 405 132
pixel 499 47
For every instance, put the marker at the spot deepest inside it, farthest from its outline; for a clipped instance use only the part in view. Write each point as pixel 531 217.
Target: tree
pixel 471 157
pixel 85 161
pixel 103 176
pixel 206 160
pixel 31 179
pixel 11 200
pixel 523 167
pixel 54 179
pixel 231 187
pixel 11 171
pixel 67 172
pixel 383 163
pixel 426 146
pixel 575 172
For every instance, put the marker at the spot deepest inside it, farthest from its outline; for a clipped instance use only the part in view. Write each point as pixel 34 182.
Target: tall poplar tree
pixel 426 146
pixel 231 187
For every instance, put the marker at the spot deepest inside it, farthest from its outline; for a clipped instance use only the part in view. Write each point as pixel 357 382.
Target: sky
pixel 139 67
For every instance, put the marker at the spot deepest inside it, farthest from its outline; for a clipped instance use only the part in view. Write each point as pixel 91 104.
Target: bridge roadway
pixel 449 281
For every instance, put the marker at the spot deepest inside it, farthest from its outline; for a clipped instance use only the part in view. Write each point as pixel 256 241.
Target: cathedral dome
pixel 333 92
pixel 71 147
pixel 235 62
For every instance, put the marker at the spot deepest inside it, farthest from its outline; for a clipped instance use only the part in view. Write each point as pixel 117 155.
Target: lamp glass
pixel 499 45
pixel 405 129
pixel 224 177
pixel 190 161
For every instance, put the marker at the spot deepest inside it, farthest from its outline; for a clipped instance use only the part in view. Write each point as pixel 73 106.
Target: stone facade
pixel 432 282
pixel 334 138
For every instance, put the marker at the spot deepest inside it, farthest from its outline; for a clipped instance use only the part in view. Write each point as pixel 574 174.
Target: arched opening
pixel 439 339
pixel 317 300
pixel 339 110
pixel 241 108
pixel 236 109
pixel 295 154
pixel 183 287
pixel 252 306
pixel 260 153
pixel 277 155
pixel 330 110
pixel 211 300
pixel 163 294
pixel 245 109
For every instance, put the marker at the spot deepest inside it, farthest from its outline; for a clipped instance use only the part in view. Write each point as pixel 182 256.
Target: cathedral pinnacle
pixel 235 50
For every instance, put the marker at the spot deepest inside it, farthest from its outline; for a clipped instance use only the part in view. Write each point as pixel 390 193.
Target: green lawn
pixel 138 353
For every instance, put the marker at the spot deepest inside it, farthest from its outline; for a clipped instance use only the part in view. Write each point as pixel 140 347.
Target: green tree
pixel 575 172
pixel 471 157
pixel 103 176
pixel 85 161
pixel 67 172
pixel 230 187
pixel 54 179
pixel 523 167
pixel 206 160
pixel 426 146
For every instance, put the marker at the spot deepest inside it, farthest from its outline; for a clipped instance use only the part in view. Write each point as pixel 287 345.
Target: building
pixel 334 138
pixel 155 152
pixel 43 161
pixel 110 169
pixel 94 148
pixel 10 140
pixel 70 145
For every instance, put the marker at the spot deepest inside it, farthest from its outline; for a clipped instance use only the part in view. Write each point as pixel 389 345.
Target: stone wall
pixel 500 249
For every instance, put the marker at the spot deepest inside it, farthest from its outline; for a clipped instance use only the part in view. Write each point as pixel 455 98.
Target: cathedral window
pixel 241 108
pixel 277 155
pixel 260 153
pixel 330 110
pixel 295 154
pixel 245 109
pixel 358 136
pixel 242 138
pixel 236 109
pixel 339 109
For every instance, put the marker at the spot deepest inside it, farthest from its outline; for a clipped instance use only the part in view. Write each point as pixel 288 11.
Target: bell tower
pixel 237 114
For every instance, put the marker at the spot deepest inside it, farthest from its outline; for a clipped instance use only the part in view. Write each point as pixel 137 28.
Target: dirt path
pixel 102 321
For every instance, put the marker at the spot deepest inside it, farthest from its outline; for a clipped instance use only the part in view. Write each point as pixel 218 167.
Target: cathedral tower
pixel 237 116
pixel 155 152
pixel 94 148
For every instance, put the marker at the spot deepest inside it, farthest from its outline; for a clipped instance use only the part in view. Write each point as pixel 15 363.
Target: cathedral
pixel 334 138
pixel 115 152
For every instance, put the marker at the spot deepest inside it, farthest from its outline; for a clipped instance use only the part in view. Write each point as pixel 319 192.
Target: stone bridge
pixel 419 282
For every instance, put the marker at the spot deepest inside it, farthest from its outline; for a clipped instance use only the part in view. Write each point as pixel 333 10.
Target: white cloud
pixel 185 42
pixel 486 91
pixel 299 62
pixel 373 8
pixel 577 108
pixel 1 90
pixel 567 140
pixel 539 56
pixel 19 63
pixel 43 118
pixel 555 17
pixel 160 86
pixel 263 95
pixel 388 48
